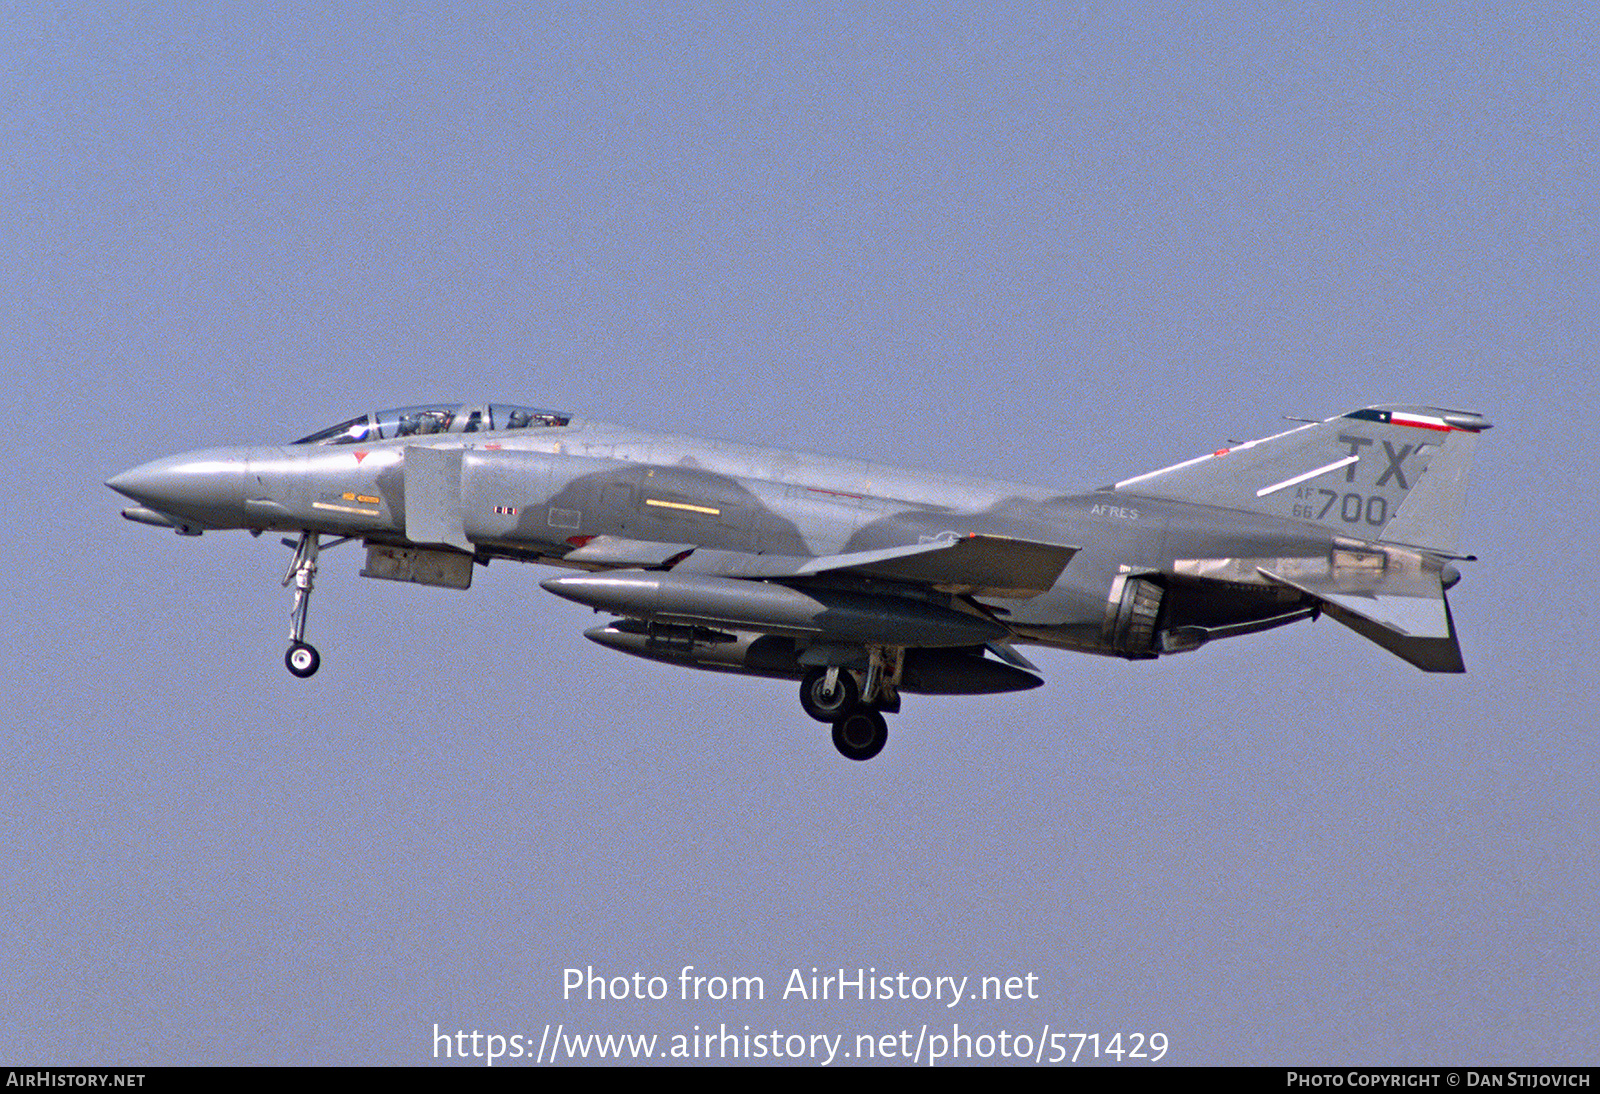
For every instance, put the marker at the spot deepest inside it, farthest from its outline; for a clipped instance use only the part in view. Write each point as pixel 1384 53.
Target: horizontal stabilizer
pixel 982 565
pixel 1413 624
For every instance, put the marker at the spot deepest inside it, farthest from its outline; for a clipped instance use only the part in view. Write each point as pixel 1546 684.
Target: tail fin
pixel 1394 477
pixel 1391 473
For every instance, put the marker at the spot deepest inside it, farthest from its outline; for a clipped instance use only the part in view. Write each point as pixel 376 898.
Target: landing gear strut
pixel 302 659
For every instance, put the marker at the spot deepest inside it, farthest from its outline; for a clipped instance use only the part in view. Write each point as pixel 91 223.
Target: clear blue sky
pixel 1058 245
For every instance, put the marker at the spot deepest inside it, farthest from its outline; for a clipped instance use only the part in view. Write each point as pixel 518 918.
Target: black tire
pixel 303 659
pixel 861 734
pixel 826 706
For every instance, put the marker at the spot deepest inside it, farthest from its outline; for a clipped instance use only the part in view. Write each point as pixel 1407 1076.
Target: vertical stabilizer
pixel 1393 473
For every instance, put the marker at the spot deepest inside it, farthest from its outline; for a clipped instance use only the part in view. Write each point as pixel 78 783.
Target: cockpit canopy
pixel 422 421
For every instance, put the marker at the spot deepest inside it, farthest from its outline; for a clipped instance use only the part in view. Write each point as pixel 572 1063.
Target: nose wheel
pixel 303 659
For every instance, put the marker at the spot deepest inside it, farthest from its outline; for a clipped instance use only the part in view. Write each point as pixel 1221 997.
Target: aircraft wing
pixel 981 565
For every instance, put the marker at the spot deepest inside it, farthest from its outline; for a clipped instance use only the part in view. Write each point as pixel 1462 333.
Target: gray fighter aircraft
pixel 863 582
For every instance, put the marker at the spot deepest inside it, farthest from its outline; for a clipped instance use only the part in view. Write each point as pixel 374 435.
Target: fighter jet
pixel 864 583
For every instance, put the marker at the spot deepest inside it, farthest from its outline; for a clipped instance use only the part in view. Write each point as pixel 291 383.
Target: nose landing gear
pixel 302 658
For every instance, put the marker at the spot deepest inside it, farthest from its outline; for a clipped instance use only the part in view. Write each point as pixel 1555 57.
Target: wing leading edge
pixel 977 565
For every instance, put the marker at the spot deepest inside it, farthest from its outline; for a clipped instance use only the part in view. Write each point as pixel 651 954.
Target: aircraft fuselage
pixel 860 579
pixel 541 497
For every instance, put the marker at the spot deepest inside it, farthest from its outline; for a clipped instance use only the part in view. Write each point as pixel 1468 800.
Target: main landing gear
pixel 831 694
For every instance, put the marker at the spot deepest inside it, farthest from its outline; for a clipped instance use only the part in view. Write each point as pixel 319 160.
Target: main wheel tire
pixel 861 734
pixel 825 705
pixel 303 659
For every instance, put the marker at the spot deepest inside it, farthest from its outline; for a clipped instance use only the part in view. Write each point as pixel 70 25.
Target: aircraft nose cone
pixel 205 488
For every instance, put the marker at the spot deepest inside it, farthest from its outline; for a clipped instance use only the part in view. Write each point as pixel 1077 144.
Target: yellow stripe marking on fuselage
pixel 344 509
pixel 706 509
